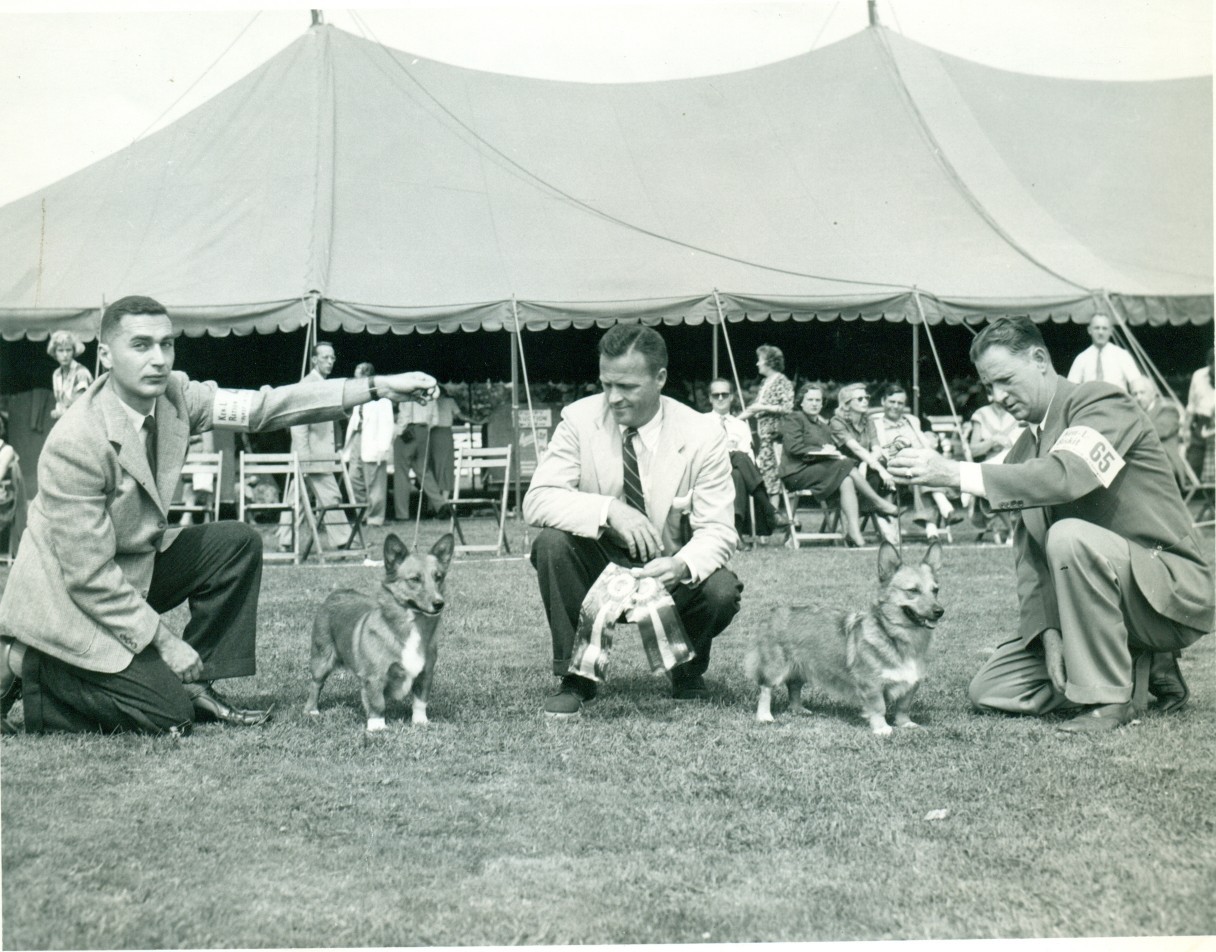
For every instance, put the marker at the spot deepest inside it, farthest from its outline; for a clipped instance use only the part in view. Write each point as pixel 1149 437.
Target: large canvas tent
pixel 874 178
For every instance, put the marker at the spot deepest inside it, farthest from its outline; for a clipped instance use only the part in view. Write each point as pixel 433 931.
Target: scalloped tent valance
pixel 874 179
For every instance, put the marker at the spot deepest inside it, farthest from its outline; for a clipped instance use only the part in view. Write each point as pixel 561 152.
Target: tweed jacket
pixel 78 589
pixel 1099 459
pixel 689 475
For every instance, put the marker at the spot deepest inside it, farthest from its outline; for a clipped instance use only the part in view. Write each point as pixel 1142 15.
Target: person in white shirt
pixel 1103 360
pixel 1200 402
pixel 749 481
pixel 368 446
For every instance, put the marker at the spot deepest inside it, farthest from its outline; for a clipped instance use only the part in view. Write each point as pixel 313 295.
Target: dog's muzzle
pixel 422 611
pixel 918 619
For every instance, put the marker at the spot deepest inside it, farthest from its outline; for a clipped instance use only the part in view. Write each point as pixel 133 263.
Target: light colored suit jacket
pixel 314 439
pixel 689 475
pixel 78 589
pixel 1170 564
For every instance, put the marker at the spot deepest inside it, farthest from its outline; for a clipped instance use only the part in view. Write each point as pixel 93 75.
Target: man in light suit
pixel 313 441
pixel 681 530
pixel 80 628
pixel 1112 577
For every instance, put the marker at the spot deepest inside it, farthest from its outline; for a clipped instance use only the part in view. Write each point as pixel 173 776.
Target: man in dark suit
pixel 81 632
pixel 1110 567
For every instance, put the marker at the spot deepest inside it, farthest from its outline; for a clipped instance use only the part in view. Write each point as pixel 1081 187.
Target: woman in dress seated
pixel 812 462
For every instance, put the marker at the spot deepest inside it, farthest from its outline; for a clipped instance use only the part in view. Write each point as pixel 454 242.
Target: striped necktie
pixel 1098 366
pixel 633 477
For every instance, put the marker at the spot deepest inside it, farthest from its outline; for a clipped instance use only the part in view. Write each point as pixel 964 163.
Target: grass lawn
pixel 643 821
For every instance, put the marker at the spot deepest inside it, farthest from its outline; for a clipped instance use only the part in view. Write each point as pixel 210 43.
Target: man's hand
pixel 1053 656
pixel 670 570
pixel 179 656
pixel 414 385
pixel 923 467
pixel 634 531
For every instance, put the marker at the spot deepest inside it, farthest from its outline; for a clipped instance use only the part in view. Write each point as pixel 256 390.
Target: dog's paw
pixel 311 712
pixel 906 722
pixel 882 730
pixel 419 719
pixel 376 725
pixel 764 718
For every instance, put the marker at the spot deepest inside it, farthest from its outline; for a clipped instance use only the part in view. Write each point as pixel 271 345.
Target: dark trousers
pixel 749 484
pixel 566 567
pixel 410 451
pixel 217 568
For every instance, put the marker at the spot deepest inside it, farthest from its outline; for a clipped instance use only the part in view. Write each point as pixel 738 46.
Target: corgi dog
pixel 389 642
pixel 874 660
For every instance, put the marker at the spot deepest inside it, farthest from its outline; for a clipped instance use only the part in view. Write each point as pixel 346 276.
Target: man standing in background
pixel 1103 360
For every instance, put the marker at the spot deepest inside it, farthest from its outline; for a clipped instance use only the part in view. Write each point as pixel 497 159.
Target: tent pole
pixel 515 406
pixel 730 354
pixel 942 375
pixel 714 352
pixel 97 355
pixel 1140 353
pixel 523 364
pixel 916 364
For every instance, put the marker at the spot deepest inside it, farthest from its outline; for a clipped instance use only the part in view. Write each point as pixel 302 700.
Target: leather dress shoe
pixel 210 705
pixel 1165 682
pixel 689 687
pixel 570 697
pixel 1098 718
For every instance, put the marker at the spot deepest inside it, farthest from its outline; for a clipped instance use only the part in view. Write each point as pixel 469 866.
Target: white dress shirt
pixel 1117 366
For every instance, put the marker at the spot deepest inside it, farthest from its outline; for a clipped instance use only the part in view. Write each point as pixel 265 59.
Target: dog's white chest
pixel 908 672
pixel 413 659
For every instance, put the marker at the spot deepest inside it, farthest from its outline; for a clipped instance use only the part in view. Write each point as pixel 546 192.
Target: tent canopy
pixel 875 178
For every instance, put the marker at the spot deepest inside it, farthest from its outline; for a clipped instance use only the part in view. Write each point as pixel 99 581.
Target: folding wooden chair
pixel 829 523
pixel 200 464
pixel 349 507
pixel 294 500
pixel 477 467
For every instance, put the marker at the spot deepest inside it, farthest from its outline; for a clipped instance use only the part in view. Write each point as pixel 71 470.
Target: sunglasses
pixel 719 396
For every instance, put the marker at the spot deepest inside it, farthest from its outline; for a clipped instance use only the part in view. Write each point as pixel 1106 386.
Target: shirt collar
pixel 136 418
pixel 1038 427
pixel 649 432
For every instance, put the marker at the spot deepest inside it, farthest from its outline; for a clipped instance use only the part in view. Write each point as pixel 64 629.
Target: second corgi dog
pixel 874 660
pixel 389 642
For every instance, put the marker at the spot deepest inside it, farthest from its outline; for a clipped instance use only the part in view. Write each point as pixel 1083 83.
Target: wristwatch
pixel 371 388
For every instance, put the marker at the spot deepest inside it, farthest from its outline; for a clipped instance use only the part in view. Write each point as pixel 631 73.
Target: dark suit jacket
pixel 1116 475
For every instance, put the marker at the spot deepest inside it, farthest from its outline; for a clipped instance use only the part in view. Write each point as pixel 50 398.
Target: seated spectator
pixel 12 496
pixel 812 462
pixel 1201 399
pixel 895 430
pixel 853 433
pixel 1167 421
pixel 70 378
pixel 993 430
pixel 749 483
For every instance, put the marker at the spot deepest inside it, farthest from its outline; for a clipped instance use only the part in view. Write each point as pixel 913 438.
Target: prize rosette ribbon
pixel 643 602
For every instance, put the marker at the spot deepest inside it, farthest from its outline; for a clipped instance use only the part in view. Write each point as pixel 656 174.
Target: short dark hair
pixel 812 385
pixel 323 343
pixel 621 339
pixel 892 389
pixel 772 356
pixel 1015 334
pixel 112 317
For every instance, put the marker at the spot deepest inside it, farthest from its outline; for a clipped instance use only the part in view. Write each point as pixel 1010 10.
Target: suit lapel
pixel 606 455
pixel 173 439
pixel 131 454
pixel 1038 520
pixel 665 472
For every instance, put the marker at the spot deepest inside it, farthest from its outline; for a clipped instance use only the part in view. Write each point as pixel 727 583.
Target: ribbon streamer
pixel 642 601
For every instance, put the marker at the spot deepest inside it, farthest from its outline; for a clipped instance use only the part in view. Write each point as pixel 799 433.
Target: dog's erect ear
pixel 888 561
pixel 442 550
pixel 395 553
pixel 933 557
